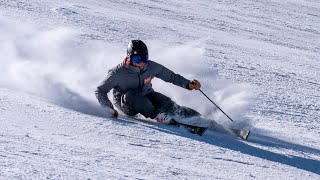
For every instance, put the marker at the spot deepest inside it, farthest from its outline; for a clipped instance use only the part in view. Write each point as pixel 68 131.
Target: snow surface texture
pixel 258 60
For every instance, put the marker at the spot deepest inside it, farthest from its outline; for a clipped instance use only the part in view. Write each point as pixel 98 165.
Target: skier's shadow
pixel 228 142
pixel 72 100
pixel 303 163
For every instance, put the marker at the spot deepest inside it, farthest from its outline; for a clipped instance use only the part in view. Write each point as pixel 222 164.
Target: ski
pixel 193 129
pixel 199 130
pixel 243 134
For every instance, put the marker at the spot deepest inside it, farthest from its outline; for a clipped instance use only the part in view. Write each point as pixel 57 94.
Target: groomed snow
pixel 258 60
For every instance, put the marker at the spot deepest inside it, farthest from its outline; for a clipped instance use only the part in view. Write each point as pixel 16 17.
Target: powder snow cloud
pixel 53 64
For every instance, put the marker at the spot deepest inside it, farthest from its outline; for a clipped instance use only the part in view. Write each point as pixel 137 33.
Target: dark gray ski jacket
pixel 125 77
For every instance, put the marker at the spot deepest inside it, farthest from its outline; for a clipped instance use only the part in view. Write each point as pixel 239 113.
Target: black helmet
pixel 137 47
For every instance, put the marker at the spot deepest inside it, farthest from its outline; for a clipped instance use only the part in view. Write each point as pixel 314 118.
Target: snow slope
pixel 258 60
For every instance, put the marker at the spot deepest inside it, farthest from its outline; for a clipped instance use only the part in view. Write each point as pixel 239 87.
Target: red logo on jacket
pixel 147 80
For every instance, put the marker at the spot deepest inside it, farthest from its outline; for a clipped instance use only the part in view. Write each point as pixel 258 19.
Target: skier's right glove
pixel 115 113
pixel 195 84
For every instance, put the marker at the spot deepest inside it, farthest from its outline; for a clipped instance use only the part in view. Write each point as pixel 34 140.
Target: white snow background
pixel 258 60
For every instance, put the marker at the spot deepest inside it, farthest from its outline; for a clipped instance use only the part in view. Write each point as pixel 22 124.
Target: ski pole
pixel 216 105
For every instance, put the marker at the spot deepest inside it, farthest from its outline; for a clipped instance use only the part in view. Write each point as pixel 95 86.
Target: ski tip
pixel 246 136
pixel 242 134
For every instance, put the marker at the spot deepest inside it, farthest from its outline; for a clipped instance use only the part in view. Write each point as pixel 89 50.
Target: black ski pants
pixel 151 104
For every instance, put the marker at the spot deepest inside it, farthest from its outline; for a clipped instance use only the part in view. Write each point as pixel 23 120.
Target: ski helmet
pixel 137 47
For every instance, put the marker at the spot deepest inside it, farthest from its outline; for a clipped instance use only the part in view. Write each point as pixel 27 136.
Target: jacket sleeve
pixel 103 89
pixel 169 76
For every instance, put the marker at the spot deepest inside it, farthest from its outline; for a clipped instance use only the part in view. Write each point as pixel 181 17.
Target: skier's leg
pixel 181 114
pixel 187 112
pixel 162 102
pixel 165 104
pixel 133 103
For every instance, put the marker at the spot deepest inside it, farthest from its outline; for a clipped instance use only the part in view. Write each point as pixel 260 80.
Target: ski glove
pixel 115 113
pixel 195 84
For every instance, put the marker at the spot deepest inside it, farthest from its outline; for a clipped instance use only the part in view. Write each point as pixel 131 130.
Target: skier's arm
pixel 103 89
pixel 169 76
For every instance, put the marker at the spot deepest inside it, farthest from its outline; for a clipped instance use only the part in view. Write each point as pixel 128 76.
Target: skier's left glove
pixel 195 84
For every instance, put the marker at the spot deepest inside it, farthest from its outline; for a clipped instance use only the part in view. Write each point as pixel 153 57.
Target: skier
pixel 132 88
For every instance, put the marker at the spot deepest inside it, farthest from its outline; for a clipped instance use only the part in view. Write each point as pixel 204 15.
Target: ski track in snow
pixel 65 144
pixel 273 46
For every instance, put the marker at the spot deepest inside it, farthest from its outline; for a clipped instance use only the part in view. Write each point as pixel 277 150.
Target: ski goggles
pixel 139 58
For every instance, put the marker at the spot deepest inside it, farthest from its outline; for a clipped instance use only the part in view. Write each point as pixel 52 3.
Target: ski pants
pixel 151 104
